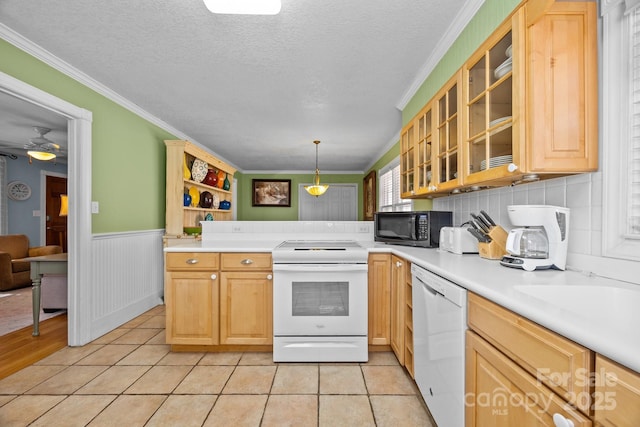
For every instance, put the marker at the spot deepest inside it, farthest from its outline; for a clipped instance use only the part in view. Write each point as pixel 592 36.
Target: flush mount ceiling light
pixel 41 155
pixel 316 189
pixel 244 7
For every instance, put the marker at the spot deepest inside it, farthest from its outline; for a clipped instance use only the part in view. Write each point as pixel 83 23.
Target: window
pixel 389 189
pixel 621 128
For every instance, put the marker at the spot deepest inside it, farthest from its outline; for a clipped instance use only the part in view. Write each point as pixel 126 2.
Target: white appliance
pixel 541 239
pixel 458 240
pixel 439 325
pixel 320 302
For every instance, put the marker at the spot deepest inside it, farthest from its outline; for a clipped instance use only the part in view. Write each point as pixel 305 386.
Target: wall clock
pixel 18 190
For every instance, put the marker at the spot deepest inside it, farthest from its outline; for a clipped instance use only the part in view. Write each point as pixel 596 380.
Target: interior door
pixel 56 224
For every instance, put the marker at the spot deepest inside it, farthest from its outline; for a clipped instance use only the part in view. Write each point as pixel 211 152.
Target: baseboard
pixel 118 318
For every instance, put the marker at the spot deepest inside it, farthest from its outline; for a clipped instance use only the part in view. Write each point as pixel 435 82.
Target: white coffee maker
pixel 540 239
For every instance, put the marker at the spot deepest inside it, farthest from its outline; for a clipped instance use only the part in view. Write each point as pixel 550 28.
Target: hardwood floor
pixel 20 349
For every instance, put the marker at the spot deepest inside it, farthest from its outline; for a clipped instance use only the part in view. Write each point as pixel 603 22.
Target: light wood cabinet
pixel 379 289
pixel 191 298
pixel 616 400
pixel 500 393
pixel 408 320
pixel 398 266
pixel 246 314
pixel 523 107
pixel 556 362
pixel 180 156
pixel 246 299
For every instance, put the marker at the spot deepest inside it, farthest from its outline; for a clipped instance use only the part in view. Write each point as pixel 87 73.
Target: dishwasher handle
pixel 429 288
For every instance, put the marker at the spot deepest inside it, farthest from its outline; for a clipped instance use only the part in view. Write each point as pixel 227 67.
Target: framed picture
pixel 271 192
pixel 369 192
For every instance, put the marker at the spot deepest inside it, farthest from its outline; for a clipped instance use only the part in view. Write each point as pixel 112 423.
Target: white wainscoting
pixel 127 278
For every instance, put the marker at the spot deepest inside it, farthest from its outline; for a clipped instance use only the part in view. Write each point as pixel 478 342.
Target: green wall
pixel 490 15
pixel 128 153
pixel 246 212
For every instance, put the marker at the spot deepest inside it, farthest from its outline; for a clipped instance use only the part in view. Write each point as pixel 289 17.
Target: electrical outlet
pixel 364 228
pixel 236 228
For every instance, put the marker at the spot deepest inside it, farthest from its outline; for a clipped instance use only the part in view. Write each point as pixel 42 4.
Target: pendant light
pixel 316 189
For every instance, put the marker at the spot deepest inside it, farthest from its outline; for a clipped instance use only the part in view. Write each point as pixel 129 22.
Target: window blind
pixel 389 184
pixel 633 212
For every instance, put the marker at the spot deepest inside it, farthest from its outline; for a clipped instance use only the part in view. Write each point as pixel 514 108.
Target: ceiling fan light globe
pixel 41 155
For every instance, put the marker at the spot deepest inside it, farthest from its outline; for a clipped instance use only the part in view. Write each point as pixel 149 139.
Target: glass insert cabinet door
pixel 489 104
pixel 424 147
pixel 447 134
pixel 407 142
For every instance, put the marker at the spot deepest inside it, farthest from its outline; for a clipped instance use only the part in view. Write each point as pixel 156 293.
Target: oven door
pixel 320 299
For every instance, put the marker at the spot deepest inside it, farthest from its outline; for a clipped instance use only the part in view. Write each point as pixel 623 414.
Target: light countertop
pixel 613 332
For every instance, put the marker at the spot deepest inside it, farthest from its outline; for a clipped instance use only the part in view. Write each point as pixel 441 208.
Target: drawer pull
pixel 269 276
pixel 192 261
pixel 246 261
pixel 214 277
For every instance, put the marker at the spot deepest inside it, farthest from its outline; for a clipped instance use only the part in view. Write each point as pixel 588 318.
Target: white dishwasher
pixel 439 325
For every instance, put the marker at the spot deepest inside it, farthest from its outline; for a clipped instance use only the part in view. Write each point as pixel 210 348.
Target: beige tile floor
pixel 129 377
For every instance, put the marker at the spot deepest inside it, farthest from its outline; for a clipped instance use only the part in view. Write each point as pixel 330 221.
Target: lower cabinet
pixel 218 299
pixel 521 374
pixel 398 271
pixel 616 400
pixel 246 300
pixel 501 393
pixel 191 298
pixel 379 294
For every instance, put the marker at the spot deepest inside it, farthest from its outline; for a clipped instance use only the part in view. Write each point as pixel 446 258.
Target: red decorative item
pixel 211 178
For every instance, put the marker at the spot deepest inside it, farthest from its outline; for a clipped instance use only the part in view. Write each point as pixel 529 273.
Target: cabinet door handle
pixel 398 264
pixel 214 276
pixel 192 261
pixel 269 276
pixel 561 421
pixel 512 167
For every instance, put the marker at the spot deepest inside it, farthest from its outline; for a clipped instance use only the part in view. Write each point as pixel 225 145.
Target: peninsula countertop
pixel 611 331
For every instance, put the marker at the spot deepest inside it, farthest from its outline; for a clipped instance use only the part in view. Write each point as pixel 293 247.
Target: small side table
pixel 40 265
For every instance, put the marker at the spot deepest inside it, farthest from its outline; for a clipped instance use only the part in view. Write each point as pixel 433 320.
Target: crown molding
pixel 459 23
pixel 64 67
pixel 393 141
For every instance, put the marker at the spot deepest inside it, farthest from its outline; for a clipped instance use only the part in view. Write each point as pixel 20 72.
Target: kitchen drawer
pixel 501 393
pixel 617 397
pixel 246 261
pixel 555 361
pixel 192 261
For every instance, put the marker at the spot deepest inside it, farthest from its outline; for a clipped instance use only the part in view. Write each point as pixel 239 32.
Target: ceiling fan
pixel 42 148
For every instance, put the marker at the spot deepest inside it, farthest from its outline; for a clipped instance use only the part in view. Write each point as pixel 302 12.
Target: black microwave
pixel 417 228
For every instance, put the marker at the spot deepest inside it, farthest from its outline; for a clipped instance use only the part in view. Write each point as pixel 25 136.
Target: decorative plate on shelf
pixel 503 68
pixel 199 170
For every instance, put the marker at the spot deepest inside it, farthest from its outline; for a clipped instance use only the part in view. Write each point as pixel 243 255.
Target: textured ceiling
pixel 256 90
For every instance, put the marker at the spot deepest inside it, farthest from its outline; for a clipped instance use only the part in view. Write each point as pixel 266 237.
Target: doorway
pixel 55 217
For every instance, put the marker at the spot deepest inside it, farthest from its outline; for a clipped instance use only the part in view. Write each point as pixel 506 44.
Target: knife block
pixel 497 247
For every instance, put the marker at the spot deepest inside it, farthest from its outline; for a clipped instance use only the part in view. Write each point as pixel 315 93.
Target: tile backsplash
pixel 581 193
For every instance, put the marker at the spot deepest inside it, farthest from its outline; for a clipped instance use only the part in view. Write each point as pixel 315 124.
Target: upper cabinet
pixel 191 195
pixel 523 107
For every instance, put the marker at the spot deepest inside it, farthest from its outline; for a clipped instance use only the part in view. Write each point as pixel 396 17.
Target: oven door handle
pixel 307 268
